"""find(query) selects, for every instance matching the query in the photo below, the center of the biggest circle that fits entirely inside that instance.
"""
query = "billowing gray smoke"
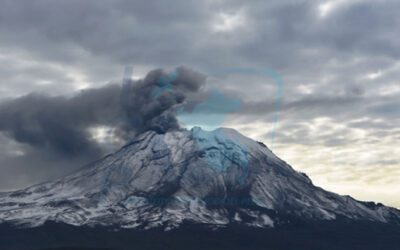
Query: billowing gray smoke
(58, 128)
(144, 110)
(60, 125)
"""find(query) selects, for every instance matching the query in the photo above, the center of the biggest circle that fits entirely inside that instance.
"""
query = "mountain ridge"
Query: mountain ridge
(217, 178)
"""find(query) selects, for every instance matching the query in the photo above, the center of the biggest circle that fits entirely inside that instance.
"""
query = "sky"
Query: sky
(62, 64)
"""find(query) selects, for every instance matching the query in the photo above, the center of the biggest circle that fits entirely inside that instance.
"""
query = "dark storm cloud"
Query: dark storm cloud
(124, 30)
(115, 29)
(363, 28)
(286, 36)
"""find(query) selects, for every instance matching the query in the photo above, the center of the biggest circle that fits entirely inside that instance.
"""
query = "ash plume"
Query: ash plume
(145, 111)
(59, 127)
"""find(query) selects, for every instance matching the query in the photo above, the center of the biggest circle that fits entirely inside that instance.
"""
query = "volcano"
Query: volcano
(191, 189)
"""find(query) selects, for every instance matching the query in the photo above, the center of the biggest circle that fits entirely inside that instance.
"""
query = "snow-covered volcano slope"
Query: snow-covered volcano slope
(216, 178)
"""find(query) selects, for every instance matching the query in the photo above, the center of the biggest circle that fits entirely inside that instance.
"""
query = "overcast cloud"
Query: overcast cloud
(339, 60)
